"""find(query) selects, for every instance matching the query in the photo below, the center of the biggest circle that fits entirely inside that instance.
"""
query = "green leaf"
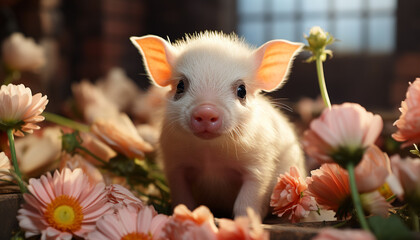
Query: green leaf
(389, 228)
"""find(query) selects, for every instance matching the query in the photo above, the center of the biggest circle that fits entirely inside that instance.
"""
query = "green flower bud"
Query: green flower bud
(317, 37)
(71, 141)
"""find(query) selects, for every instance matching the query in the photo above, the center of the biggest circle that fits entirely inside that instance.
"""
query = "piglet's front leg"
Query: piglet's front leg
(252, 194)
(180, 188)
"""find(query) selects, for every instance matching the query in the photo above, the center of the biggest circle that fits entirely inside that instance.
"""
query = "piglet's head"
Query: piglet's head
(215, 79)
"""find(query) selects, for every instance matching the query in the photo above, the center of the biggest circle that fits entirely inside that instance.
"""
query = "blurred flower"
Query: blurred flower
(120, 197)
(149, 133)
(242, 228)
(121, 135)
(92, 102)
(408, 172)
(39, 152)
(20, 53)
(341, 134)
(148, 106)
(309, 109)
(375, 204)
(62, 205)
(409, 122)
(118, 88)
(19, 109)
(318, 39)
(185, 224)
(127, 224)
(97, 147)
(289, 197)
(329, 185)
(4, 168)
(345, 234)
(374, 171)
(77, 161)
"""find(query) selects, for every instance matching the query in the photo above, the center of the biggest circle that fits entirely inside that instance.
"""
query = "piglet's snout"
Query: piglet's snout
(206, 121)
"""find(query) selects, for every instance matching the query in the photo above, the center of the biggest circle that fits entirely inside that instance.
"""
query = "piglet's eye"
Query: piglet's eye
(241, 91)
(180, 87)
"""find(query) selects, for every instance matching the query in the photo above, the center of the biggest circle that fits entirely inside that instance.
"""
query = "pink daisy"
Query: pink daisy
(242, 228)
(375, 204)
(374, 172)
(63, 205)
(122, 136)
(185, 224)
(289, 197)
(341, 132)
(329, 185)
(127, 224)
(19, 109)
(344, 234)
(409, 122)
(77, 161)
(408, 172)
(120, 196)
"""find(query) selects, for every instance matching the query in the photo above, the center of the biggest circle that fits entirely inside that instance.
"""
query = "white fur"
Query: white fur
(239, 168)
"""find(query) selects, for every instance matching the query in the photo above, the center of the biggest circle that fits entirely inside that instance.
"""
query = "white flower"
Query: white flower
(20, 53)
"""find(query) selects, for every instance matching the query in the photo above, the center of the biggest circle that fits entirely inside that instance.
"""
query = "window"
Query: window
(360, 25)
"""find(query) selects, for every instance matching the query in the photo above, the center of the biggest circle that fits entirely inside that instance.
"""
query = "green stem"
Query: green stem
(91, 154)
(414, 220)
(340, 224)
(51, 117)
(356, 198)
(321, 81)
(11, 76)
(22, 186)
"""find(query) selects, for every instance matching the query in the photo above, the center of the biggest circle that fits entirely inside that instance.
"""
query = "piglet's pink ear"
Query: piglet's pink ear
(274, 59)
(157, 56)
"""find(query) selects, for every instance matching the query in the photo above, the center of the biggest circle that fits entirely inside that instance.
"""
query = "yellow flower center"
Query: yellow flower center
(137, 236)
(385, 191)
(64, 213)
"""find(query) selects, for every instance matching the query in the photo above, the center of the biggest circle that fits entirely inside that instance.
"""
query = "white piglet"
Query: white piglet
(223, 144)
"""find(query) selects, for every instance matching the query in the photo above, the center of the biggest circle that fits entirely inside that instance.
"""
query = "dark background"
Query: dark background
(86, 38)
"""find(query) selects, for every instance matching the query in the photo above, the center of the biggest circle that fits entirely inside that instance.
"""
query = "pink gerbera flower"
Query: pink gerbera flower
(120, 196)
(409, 122)
(289, 197)
(185, 224)
(19, 109)
(62, 205)
(127, 224)
(374, 172)
(344, 234)
(242, 228)
(121, 135)
(330, 186)
(408, 172)
(77, 161)
(341, 134)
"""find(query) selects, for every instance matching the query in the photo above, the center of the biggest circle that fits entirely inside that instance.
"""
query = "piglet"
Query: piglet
(223, 144)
